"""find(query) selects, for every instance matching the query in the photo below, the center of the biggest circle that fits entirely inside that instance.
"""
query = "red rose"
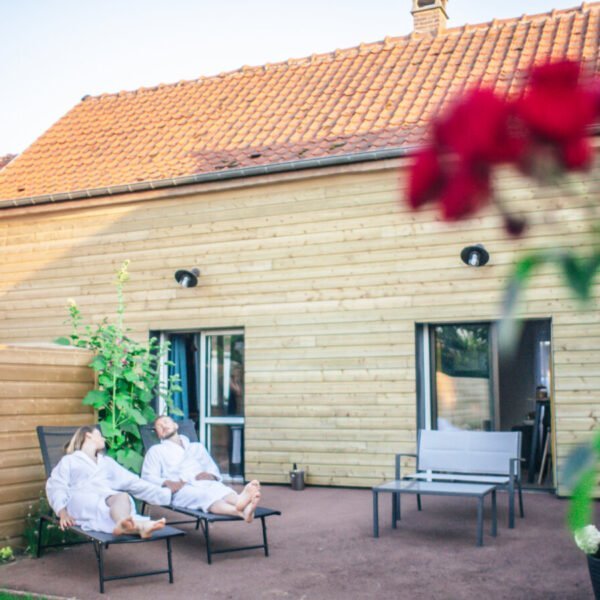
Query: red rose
(465, 193)
(556, 107)
(481, 128)
(425, 178)
(577, 154)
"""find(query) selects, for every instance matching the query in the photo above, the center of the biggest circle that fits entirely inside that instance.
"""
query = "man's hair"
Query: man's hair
(158, 419)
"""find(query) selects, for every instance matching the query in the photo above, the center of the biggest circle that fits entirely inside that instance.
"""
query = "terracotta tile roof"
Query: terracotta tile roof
(373, 96)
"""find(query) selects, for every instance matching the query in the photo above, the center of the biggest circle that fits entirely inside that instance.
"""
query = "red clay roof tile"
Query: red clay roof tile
(374, 96)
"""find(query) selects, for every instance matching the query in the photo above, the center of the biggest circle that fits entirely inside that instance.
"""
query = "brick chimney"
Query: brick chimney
(429, 16)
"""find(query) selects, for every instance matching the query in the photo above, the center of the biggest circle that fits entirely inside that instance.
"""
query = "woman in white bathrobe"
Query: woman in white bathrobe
(89, 489)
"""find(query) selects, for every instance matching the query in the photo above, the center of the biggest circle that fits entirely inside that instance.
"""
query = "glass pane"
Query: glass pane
(462, 377)
(227, 448)
(224, 375)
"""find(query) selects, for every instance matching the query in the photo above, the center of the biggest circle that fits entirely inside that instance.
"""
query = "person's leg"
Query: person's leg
(225, 507)
(120, 512)
(250, 509)
(245, 497)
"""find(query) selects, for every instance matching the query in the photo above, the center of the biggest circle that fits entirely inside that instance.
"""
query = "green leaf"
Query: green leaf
(576, 275)
(131, 428)
(108, 431)
(98, 363)
(130, 375)
(581, 460)
(96, 398)
(173, 411)
(137, 416)
(580, 508)
(130, 459)
(63, 341)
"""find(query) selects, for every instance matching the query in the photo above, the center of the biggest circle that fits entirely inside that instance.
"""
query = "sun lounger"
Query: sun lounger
(52, 441)
(201, 518)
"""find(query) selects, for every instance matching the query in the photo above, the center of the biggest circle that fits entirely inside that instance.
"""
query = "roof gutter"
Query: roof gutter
(284, 167)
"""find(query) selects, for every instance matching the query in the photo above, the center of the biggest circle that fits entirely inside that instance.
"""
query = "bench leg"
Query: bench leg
(375, 515)
(169, 560)
(494, 515)
(521, 511)
(99, 549)
(206, 533)
(264, 533)
(511, 504)
(480, 521)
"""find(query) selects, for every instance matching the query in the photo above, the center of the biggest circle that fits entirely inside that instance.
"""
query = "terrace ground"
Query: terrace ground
(322, 547)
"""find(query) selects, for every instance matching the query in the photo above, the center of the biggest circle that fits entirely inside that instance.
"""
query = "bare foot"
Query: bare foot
(125, 526)
(145, 528)
(250, 509)
(246, 496)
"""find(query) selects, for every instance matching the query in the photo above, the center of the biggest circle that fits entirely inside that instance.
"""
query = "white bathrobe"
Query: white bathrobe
(169, 461)
(82, 485)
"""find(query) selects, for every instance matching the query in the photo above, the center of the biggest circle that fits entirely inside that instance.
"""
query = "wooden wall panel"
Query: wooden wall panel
(38, 386)
(328, 277)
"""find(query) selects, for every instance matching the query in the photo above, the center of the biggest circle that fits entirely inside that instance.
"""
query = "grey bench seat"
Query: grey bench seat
(483, 457)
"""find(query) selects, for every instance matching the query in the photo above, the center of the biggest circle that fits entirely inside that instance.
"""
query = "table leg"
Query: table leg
(375, 515)
(394, 509)
(494, 519)
(511, 503)
(480, 521)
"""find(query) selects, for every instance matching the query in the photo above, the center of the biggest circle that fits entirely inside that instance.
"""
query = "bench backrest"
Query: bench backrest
(475, 452)
(52, 443)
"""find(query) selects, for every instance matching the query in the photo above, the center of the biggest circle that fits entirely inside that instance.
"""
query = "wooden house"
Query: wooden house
(329, 322)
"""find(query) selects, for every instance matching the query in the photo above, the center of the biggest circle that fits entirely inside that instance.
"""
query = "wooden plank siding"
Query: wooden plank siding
(38, 386)
(328, 276)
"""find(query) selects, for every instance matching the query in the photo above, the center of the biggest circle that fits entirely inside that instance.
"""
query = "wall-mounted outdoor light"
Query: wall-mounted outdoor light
(475, 256)
(187, 278)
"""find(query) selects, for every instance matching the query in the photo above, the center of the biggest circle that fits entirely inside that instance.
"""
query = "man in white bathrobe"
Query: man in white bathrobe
(191, 474)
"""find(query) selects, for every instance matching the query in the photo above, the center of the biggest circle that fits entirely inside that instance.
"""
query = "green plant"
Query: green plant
(128, 376)
(6, 554)
(51, 533)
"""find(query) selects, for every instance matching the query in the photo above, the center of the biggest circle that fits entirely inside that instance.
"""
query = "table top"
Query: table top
(432, 488)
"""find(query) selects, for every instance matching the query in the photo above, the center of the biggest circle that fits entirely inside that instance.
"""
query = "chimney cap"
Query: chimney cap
(429, 16)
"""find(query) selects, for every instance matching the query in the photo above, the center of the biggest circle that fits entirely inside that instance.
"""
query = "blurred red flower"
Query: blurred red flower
(547, 125)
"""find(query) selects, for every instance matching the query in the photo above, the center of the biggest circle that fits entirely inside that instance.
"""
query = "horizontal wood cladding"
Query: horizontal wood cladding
(38, 386)
(328, 277)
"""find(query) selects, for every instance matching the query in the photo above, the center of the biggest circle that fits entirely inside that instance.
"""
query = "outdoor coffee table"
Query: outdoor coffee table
(435, 488)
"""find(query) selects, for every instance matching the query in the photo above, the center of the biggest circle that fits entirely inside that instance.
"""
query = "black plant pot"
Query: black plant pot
(594, 567)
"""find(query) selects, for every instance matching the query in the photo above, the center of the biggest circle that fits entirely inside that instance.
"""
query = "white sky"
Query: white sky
(53, 52)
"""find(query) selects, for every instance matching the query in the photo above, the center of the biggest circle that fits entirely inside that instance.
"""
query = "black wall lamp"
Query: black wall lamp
(187, 278)
(475, 256)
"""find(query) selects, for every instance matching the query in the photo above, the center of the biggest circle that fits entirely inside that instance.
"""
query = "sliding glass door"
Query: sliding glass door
(222, 399)
(210, 366)
(463, 376)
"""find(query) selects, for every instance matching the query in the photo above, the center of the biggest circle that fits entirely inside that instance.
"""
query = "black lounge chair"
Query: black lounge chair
(52, 441)
(200, 517)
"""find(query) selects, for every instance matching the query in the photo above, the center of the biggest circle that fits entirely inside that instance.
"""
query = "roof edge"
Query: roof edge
(212, 176)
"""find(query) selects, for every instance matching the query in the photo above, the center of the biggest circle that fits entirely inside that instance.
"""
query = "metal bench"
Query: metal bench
(200, 517)
(52, 441)
(480, 457)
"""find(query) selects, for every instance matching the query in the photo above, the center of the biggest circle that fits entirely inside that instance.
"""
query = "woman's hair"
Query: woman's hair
(76, 442)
